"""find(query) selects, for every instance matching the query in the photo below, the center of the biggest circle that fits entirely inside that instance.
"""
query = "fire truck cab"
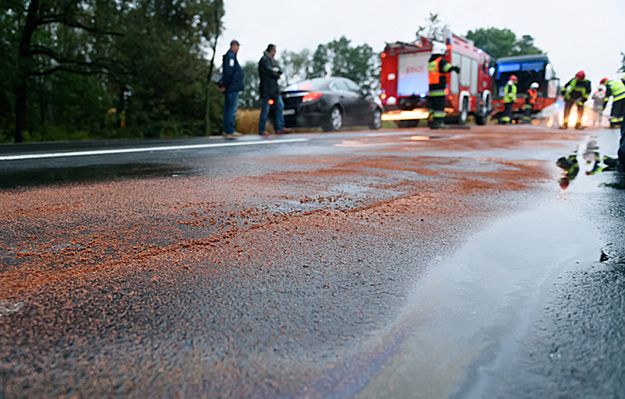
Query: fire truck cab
(404, 81)
(528, 69)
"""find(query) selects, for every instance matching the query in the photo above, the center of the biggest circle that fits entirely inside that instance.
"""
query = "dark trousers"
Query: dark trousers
(527, 113)
(231, 102)
(567, 111)
(618, 112)
(278, 108)
(437, 110)
(507, 113)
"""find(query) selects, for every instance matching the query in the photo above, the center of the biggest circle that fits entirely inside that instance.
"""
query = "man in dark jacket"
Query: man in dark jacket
(270, 72)
(231, 85)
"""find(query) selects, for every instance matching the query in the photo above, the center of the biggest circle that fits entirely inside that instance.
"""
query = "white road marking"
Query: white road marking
(145, 149)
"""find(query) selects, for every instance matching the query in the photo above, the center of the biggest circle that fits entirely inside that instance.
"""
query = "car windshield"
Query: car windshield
(314, 84)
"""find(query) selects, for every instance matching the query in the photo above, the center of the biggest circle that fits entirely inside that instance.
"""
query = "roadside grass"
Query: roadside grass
(247, 121)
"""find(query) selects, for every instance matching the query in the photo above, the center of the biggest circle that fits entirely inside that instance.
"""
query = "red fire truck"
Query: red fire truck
(404, 81)
(528, 69)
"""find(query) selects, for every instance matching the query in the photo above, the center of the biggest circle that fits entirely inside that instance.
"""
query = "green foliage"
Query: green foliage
(341, 58)
(318, 64)
(95, 64)
(503, 42)
(294, 65)
(250, 98)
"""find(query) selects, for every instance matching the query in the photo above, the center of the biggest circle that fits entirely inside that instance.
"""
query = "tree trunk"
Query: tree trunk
(209, 82)
(24, 62)
(211, 67)
(20, 107)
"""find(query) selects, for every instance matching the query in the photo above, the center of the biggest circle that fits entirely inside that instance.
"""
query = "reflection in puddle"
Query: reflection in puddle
(570, 170)
(594, 164)
(55, 176)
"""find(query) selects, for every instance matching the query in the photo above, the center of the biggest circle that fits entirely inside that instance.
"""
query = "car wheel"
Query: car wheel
(481, 118)
(335, 120)
(376, 120)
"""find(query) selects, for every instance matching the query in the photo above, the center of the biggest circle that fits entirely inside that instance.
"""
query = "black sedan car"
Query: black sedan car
(330, 103)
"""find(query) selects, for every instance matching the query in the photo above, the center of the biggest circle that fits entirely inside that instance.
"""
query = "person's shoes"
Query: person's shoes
(284, 131)
(564, 127)
(579, 127)
(237, 134)
(229, 136)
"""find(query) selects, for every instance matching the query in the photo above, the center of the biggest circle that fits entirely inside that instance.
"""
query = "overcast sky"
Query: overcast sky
(577, 34)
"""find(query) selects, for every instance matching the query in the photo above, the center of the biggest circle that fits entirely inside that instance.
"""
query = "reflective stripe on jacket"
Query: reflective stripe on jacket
(438, 68)
(510, 93)
(616, 89)
(576, 89)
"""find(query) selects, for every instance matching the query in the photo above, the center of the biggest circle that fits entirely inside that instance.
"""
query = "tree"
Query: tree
(434, 29)
(502, 42)
(358, 63)
(212, 32)
(295, 65)
(75, 21)
(318, 64)
(250, 97)
(341, 58)
(141, 62)
(525, 46)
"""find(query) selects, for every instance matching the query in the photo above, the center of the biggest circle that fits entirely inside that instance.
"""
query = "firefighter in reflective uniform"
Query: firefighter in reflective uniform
(510, 91)
(616, 90)
(575, 92)
(530, 102)
(438, 70)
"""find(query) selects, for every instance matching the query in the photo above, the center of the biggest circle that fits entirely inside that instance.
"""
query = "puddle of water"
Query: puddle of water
(467, 313)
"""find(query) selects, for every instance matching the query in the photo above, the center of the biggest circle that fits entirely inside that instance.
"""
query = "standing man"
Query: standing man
(231, 85)
(616, 90)
(510, 92)
(575, 92)
(530, 102)
(270, 72)
(438, 70)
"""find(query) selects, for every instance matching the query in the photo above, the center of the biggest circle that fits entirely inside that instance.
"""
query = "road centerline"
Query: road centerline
(20, 157)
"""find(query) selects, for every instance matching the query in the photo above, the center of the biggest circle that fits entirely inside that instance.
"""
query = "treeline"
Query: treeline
(92, 68)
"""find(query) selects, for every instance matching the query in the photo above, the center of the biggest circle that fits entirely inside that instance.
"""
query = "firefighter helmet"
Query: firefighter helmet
(581, 75)
(603, 81)
(514, 78)
(438, 48)
(534, 85)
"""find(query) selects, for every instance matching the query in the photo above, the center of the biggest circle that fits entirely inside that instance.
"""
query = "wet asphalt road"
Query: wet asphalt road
(393, 264)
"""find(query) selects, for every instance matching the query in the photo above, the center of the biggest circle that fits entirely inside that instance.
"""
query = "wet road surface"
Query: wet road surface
(397, 264)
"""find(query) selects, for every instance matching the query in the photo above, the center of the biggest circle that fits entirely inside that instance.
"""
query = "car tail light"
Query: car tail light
(312, 96)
